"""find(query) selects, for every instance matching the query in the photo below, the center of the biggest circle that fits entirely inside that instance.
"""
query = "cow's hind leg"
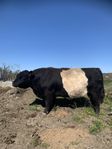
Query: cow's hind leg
(96, 106)
(49, 101)
(95, 102)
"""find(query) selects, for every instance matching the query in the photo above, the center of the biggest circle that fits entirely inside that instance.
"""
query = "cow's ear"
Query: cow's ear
(31, 75)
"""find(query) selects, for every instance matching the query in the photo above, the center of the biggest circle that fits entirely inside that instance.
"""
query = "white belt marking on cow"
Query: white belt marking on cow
(74, 82)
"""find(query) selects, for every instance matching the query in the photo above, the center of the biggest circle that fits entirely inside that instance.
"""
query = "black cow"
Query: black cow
(48, 83)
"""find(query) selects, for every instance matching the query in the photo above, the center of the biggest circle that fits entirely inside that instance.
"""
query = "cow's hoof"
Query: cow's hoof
(46, 112)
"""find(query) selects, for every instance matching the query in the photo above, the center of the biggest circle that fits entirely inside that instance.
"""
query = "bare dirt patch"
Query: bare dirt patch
(24, 126)
(65, 137)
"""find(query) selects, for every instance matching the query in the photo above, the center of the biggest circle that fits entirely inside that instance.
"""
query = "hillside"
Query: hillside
(70, 125)
(108, 83)
(107, 76)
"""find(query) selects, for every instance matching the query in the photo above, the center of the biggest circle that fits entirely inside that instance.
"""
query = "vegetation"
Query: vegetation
(96, 127)
(6, 73)
(37, 142)
(108, 82)
(77, 118)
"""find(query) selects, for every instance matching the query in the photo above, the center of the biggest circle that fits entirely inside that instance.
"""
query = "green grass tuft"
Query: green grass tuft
(35, 108)
(77, 118)
(44, 145)
(89, 111)
(96, 127)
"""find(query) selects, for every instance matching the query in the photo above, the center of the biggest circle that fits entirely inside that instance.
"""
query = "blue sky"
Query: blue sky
(59, 34)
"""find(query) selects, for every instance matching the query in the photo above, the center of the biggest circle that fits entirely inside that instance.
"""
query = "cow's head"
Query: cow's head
(22, 79)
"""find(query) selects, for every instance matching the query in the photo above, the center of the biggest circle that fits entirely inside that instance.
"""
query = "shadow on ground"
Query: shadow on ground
(65, 102)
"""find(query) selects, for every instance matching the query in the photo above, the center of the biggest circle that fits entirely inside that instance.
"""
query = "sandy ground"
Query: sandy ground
(6, 84)
(24, 126)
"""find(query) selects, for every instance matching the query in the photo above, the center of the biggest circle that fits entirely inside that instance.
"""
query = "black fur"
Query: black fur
(95, 87)
(47, 84)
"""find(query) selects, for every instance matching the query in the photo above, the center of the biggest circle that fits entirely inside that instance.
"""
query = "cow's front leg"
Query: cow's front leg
(49, 101)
